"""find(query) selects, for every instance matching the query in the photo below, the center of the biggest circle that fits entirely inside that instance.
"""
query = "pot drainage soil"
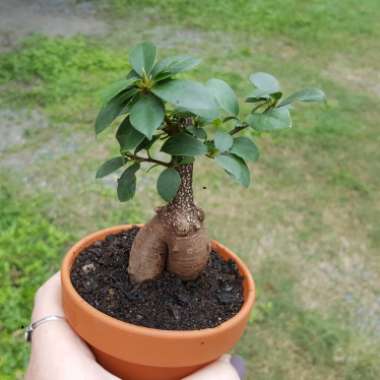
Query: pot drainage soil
(100, 276)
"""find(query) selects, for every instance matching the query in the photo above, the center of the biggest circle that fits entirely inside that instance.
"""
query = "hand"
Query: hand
(59, 354)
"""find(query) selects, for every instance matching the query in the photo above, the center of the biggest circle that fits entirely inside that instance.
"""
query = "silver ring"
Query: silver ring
(29, 329)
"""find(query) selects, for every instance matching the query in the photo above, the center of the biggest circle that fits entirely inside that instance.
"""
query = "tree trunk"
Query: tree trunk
(175, 237)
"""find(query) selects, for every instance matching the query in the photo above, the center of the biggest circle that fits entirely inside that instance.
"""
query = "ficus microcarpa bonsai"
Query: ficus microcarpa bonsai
(160, 112)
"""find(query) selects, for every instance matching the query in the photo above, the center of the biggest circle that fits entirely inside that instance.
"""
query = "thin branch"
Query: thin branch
(148, 159)
(258, 106)
(271, 105)
(238, 129)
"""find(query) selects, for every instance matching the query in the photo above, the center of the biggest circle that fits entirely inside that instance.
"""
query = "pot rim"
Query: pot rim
(73, 252)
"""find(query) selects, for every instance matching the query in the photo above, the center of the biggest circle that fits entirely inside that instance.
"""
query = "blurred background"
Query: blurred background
(308, 227)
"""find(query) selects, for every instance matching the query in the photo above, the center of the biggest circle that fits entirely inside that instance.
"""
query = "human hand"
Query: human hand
(58, 353)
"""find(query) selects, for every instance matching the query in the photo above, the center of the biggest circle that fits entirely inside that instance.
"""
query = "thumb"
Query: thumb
(226, 367)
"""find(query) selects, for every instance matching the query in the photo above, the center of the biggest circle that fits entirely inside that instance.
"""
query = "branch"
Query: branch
(238, 129)
(148, 159)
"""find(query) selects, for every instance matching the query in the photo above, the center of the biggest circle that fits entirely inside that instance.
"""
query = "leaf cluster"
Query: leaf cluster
(160, 109)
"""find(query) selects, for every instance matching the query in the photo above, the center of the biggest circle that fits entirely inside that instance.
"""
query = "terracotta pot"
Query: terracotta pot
(139, 353)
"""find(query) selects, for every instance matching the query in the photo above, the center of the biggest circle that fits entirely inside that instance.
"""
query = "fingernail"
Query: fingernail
(238, 363)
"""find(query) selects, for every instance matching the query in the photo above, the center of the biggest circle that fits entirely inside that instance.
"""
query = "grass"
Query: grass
(302, 342)
(318, 24)
(48, 71)
(30, 249)
(308, 227)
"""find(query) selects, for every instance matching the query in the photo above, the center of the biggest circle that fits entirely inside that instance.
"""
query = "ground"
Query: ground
(309, 225)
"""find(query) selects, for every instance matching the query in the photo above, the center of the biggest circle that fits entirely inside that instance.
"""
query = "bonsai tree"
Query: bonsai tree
(164, 113)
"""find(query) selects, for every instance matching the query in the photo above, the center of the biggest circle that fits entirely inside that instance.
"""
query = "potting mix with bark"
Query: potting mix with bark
(100, 276)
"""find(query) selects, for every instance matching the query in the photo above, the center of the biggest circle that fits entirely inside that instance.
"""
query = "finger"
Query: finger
(48, 299)
(225, 368)
(55, 340)
(55, 281)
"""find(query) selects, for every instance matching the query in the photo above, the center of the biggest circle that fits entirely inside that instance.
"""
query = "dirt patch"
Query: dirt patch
(100, 276)
(364, 79)
(345, 276)
(23, 143)
(190, 41)
(14, 125)
(19, 18)
(348, 281)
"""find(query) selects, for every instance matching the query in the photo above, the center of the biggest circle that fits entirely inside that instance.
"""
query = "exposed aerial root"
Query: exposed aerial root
(174, 238)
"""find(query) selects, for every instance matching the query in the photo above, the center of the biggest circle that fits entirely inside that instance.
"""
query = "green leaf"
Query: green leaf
(142, 57)
(110, 166)
(265, 82)
(147, 114)
(229, 118)
(224, 95)
(262, 96)
(257, 96)
(200, 133)
(174, 65)
(133, 75)
(168, 184)
(146, 144)
(116, 87)
(245, 148)
(223, 141)
(111, 110)
(127, 136)
(126, 184)
(274, 119)
(186, 160)
(183, 144)
(189, 95)
(236, 167)
(306, 95)
(134, 92)
(163, 76)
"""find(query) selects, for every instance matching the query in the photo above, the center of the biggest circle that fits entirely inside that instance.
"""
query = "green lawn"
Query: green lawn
(309, 225)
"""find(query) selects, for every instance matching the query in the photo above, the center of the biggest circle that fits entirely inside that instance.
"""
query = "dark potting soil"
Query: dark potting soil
(100, 276)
